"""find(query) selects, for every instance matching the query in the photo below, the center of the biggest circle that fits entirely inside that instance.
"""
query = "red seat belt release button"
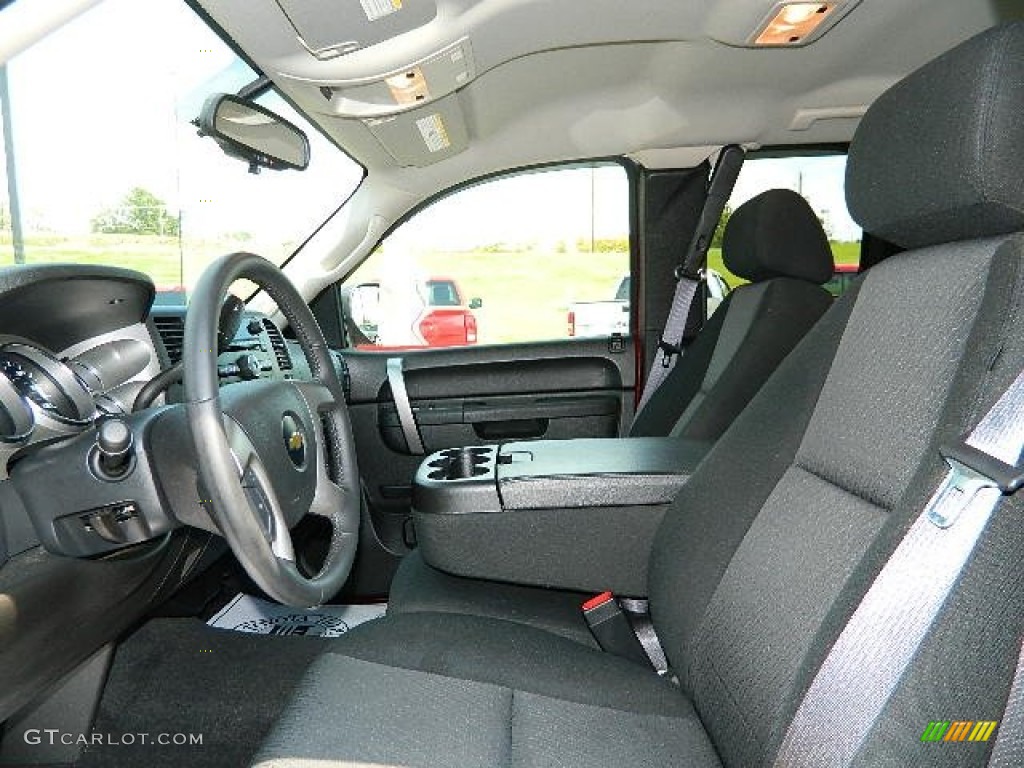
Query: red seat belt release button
(598, 600)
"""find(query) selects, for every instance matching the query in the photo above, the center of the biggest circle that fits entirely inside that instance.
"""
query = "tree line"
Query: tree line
(140, 212)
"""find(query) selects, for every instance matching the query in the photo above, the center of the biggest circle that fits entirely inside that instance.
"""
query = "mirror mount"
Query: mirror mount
(253, 134)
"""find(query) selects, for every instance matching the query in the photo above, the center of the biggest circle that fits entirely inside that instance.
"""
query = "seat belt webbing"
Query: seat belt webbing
(875, 648)
(1008, 751)
(688, 279)
(675, 326)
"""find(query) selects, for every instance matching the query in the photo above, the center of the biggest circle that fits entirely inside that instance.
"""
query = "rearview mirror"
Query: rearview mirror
(253, 133)
(476, 303)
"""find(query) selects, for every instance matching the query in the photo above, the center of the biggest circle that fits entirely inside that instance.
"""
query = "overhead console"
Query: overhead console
(412, 110)
(408, 87)
(569, 514)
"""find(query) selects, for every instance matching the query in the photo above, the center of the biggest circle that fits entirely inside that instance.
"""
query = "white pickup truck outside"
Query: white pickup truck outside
(603, 318)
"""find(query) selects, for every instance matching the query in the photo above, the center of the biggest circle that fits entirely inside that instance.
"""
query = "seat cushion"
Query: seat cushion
(417, 587)
(447, 690)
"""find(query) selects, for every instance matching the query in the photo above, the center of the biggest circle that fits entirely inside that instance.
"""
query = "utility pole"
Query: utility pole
(12, 175)
(593, 206)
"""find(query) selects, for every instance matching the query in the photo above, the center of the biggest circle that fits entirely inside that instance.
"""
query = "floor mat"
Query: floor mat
(246, 613)
(179, 676)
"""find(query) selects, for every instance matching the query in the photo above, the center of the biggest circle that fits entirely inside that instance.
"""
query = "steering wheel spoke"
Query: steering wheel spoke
(318, 396)
(242, 449)
(332, 494)
(259, 491)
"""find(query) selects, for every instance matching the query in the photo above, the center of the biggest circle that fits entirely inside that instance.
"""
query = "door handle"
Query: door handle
(406, 418)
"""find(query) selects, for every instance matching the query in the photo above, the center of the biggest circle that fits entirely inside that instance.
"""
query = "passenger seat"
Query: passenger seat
(775, 241)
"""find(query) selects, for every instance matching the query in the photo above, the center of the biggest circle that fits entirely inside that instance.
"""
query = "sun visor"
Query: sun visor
(408, 87)
(423, 136)
(331, 28)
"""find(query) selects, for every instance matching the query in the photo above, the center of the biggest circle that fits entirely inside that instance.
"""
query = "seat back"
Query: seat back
(770, 546)
(776, 241)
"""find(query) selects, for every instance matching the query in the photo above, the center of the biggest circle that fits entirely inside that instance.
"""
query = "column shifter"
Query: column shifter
(114, 444)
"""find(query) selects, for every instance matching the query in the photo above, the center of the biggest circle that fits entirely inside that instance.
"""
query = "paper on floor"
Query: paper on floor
(251, 614)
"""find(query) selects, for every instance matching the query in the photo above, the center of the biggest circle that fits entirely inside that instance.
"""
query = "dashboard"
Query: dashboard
(75, 346)
(85, 552)
(78, 344)
(58, 379)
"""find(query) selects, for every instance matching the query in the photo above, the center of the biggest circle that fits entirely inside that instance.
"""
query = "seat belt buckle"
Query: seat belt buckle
(971, 470)
(611, 628)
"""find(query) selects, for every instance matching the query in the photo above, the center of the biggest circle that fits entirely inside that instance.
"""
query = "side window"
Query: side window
(821, 181)
(536, 256)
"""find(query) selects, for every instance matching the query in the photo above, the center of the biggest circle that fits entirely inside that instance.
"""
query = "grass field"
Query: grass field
(526, 294)
(166, 259)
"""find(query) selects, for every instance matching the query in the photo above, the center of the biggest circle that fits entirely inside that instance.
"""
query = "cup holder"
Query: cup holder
(461, 463)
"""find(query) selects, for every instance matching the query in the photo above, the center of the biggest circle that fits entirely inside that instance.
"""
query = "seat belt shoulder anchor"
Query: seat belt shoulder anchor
(668, 352)
(696, 274)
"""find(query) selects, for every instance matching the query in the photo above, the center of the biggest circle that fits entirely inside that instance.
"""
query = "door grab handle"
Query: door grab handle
(396, 380)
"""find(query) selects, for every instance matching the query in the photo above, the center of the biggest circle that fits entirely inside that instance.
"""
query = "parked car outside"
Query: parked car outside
(603, 318)
(422, 313)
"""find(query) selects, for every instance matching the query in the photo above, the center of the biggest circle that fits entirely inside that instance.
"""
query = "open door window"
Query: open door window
(536, 256)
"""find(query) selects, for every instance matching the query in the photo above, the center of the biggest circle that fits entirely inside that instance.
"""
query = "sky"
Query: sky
(103, 105)
(556, 205)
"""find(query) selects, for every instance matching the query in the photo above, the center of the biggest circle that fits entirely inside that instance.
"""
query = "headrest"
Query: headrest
(938, 157)
(776, 234)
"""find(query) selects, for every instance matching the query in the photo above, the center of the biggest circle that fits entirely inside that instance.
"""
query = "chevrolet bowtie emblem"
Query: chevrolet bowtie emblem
(294, 438)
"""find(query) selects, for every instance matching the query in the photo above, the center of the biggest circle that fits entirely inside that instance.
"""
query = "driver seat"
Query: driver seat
(768, 549)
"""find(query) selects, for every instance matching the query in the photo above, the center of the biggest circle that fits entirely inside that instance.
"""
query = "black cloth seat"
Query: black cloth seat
(465, 691)
(751, 582)
(775, 241)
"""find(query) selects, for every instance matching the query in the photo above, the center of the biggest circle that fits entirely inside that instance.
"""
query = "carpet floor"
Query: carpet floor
(179, 676)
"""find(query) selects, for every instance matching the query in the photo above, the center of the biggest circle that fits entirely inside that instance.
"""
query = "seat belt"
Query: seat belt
(403, 406)
(622, 626)
(688, 272)
(1008, 751)
(863, 668)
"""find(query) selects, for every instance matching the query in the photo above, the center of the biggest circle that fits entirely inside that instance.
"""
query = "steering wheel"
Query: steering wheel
(271, 452)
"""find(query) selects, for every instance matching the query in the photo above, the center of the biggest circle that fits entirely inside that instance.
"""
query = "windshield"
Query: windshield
(101, 163)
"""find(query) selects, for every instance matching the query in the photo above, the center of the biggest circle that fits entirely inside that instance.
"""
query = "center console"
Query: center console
(567, 514)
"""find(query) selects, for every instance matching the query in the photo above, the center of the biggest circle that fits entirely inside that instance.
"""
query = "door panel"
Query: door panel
(443, 423)
(477, 396)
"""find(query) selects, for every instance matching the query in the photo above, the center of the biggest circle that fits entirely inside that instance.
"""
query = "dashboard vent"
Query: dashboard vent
(172, 333)
(284, 360)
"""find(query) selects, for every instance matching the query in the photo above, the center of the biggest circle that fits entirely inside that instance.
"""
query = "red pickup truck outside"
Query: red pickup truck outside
(445, 320)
